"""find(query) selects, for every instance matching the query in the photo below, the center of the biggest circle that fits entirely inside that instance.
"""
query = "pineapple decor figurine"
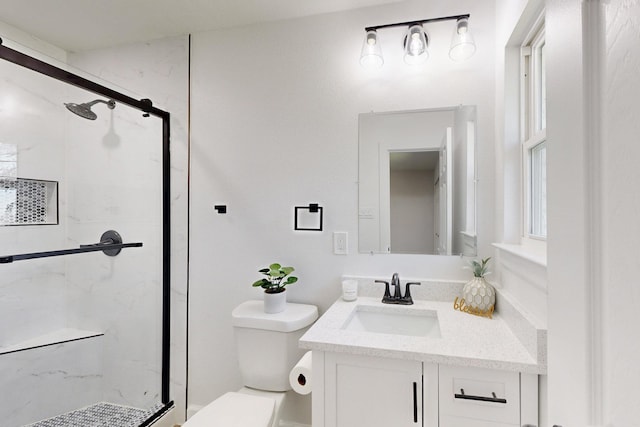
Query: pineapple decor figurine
(478, 295)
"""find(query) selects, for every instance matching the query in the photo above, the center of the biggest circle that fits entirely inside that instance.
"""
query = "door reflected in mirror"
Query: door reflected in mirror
(417, 182)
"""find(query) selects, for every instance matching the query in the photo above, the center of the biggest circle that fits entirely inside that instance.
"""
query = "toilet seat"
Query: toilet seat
(235, 410)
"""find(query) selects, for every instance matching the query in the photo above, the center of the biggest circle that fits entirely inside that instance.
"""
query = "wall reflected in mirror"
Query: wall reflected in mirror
(417, 182)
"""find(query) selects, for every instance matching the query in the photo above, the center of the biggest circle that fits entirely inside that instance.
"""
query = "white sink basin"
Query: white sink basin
(416, 323)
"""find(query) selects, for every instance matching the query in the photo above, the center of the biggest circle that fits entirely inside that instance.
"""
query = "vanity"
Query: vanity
(424, 364)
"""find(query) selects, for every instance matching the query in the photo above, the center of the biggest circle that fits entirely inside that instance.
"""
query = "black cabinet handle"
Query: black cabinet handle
(493, 399)
(415, 402)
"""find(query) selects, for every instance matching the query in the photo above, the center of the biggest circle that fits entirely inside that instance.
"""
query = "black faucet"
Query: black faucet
(397, 297)
(395, 282)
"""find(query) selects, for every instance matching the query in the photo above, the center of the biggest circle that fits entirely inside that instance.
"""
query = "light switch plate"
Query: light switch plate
(340, 242)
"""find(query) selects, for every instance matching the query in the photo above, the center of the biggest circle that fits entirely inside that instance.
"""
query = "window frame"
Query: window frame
(532, 123)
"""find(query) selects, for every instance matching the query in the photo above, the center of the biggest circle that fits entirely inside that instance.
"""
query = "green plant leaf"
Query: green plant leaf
(261, 282)
(290, 280)
(276, 273)
(480, 268)
(287, 270)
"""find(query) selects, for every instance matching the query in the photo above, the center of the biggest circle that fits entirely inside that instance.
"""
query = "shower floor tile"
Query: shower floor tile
(99, 415)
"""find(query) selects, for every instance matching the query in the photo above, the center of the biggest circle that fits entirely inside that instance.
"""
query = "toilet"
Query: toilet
(267, 347)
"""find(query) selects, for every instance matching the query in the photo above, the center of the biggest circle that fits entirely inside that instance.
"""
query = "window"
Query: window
(533, 133)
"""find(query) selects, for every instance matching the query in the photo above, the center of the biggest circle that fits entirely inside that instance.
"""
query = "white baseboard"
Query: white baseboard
(292, 424)
(192, 409)
(167, 420)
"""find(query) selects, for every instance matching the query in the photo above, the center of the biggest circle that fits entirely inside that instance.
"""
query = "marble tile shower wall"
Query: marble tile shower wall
(109, 172)
(32, 124)
(116, 183)
(47, 381)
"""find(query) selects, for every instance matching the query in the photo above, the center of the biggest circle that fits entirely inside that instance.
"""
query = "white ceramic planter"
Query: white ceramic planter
(480, 294)
(275, 303)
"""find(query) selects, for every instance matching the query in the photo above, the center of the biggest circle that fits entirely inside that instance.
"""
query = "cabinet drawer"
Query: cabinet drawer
(479, 394)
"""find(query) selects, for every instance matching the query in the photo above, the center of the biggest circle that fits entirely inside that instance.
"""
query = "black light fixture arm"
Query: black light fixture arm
(420, 21)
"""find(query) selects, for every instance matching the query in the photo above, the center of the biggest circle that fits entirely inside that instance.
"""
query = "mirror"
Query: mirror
(417, 182)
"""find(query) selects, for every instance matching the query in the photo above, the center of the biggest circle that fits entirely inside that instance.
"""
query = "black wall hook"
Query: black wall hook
(221, 209)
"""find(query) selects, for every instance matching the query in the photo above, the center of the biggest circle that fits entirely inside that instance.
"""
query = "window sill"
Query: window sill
(538, 257)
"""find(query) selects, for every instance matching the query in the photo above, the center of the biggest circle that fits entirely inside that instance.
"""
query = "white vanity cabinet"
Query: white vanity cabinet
(362, 391)
(475, 373)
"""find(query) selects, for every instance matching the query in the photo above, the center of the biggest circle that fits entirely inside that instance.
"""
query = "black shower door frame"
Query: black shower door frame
(147, 108)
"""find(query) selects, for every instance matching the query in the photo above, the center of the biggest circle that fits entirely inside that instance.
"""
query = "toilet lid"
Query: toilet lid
(234, 410)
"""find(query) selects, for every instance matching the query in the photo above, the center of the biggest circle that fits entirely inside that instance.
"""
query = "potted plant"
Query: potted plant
(478, 293)
(274, 282)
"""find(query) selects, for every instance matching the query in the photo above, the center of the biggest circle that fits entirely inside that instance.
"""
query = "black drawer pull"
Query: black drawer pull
(415, 402)
(493, 399)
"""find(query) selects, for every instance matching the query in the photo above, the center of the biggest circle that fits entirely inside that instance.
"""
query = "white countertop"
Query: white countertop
(466, 340)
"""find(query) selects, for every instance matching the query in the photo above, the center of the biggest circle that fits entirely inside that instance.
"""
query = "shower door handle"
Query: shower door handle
(110, 249)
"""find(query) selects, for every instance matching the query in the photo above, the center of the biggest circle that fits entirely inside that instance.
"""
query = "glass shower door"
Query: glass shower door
(83, 334)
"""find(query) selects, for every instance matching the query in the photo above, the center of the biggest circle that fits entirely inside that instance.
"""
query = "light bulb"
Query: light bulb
(416, 43)
(462, 44)
(371, 55)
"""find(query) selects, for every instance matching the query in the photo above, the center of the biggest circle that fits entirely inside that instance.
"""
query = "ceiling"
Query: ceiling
(78, 25)
(413, 160)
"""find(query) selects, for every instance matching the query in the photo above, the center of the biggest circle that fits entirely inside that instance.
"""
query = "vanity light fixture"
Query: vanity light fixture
(416, 42)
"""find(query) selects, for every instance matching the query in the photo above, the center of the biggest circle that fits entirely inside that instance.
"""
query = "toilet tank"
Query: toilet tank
(267, 344)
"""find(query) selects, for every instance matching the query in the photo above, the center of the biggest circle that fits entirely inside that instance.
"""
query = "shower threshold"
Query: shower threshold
(101, 414)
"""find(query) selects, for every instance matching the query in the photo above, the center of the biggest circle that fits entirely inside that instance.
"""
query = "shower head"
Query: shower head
(84, 110)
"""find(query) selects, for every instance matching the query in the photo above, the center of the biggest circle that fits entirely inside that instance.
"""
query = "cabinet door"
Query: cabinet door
(372, 392)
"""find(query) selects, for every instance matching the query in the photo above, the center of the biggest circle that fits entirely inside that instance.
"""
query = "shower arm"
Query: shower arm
(110, 243)
(110, 103)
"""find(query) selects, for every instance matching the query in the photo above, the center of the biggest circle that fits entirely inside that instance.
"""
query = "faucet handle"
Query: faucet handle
(387, 294)
(407, 293)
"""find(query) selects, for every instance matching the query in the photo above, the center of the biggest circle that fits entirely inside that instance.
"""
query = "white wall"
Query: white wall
(11, 35)
(516, 275)
(274, 124)
(620, 228)
(524, 281)
(593, 229)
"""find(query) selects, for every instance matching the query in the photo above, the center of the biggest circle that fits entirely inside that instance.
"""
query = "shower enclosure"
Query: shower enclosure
(84, 249)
